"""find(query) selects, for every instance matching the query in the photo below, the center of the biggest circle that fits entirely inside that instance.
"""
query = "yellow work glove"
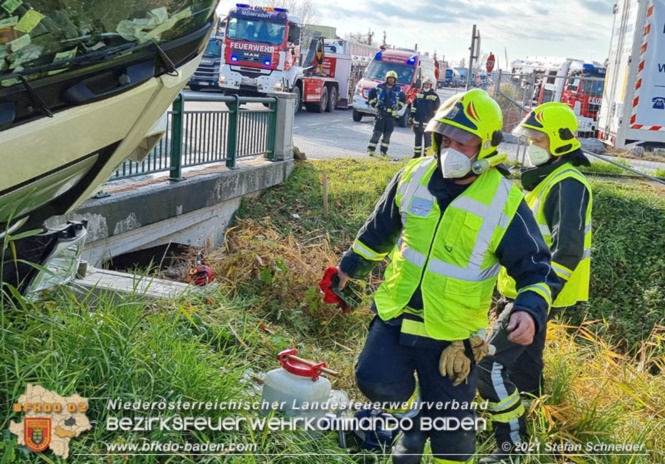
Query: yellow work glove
(454, 361)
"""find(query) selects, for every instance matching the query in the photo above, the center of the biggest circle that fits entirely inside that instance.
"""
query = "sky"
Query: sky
(519, 28)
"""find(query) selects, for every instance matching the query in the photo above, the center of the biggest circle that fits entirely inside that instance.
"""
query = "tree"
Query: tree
(362, 38)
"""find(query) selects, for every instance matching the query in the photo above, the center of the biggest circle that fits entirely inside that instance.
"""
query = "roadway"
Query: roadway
(336, 135)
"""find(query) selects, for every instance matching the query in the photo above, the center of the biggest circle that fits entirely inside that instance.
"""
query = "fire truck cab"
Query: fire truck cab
(580, 86)
(261, 52)
(411, 68)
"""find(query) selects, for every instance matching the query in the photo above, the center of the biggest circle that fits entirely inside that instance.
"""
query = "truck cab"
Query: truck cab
(261, 53)
(411, 68)
(82, 89)
(579, 85)
(206, 75)
(452, 78)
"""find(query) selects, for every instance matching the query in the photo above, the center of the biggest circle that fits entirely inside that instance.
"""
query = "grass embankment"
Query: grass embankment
(210, 348)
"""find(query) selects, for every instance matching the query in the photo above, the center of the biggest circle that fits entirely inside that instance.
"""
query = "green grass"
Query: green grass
(197, 349)
(210, 347)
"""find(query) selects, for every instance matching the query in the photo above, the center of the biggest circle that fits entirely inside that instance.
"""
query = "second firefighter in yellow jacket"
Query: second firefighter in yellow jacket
(560, 198)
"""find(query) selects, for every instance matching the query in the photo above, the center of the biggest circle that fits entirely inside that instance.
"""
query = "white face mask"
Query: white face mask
(455, 164)
(537, 155)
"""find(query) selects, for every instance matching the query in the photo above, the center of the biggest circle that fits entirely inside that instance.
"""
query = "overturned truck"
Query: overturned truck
(83, 86)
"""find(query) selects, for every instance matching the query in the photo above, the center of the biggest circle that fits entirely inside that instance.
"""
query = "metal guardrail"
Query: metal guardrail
(200, 137)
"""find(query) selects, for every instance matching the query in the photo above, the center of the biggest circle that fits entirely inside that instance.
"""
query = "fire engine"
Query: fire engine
(262, 54)
(580, 86)
(411, 68)
(336, 66)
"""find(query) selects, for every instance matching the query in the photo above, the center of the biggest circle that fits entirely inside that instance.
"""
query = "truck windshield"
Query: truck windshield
(377, 70)
(39, 38)
(213, 48)
(253, 30)
(593, 87)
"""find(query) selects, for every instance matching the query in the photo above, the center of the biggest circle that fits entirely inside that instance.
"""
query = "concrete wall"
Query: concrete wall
(195, 211)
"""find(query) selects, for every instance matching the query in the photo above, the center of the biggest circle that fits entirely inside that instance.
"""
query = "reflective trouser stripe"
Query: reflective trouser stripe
(506, 403)
(372, 145)
(366, 252)
(545, 230)
(502, 394)
(408, 404)
(508, 417)
(562, 271)
(587, 253)
(448, 461)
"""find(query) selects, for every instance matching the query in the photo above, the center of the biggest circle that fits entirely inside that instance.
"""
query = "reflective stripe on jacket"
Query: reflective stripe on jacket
(449, 254)
(576, 287)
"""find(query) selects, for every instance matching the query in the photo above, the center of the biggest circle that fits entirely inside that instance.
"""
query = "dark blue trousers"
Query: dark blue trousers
(385, 373)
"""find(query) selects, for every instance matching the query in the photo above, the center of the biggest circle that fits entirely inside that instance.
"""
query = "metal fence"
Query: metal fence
(517, 94)
(197, 137)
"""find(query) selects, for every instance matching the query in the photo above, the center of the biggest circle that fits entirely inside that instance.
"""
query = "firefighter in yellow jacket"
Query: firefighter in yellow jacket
(560, 198)
(449, 224)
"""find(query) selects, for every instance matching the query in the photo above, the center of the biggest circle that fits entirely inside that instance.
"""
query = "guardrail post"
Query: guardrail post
(283, 127)
(177, 115)
(232, 141)
(272, 130)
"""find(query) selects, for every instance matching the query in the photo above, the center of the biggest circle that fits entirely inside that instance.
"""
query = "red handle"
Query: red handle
(298, 366)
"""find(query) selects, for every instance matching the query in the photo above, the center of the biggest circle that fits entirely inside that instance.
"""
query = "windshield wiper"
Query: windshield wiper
(36, 100)
(166, 61)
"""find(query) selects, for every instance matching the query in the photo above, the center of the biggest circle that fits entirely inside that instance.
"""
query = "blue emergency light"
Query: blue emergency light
(377, 57)
(267, 62)
(234, 58)
(282, 10)
(412, 60)
(243, 5)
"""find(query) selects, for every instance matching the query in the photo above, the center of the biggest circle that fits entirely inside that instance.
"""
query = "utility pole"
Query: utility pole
(475, 52)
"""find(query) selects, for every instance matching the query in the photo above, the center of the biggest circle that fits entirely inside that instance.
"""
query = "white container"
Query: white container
(295, 389)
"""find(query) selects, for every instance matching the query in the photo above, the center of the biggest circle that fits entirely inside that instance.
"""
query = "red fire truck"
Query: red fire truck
(411, 68)
(262, 51)
(580, 86)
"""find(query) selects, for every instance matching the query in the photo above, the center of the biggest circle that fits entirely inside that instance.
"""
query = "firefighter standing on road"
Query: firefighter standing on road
(449, 230)
(560, 198)
(387, 98)
(424, 106)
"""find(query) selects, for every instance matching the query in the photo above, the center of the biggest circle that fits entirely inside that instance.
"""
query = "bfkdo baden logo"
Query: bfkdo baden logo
(37, 433)
(50, 421)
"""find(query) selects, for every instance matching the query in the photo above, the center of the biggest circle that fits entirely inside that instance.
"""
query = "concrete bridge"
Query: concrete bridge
(194, 206)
